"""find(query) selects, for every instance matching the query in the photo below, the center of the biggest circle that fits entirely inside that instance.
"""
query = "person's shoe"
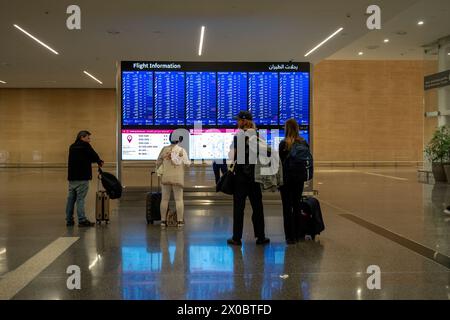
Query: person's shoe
(86, 223)
(70, 223)
(290, 241)
(262, 241)
(234, 242)
(447, 210)
(163, 224)
(180, 224)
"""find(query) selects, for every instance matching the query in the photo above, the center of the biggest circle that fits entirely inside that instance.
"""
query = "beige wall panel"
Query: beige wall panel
(41, 123)
(368, 111)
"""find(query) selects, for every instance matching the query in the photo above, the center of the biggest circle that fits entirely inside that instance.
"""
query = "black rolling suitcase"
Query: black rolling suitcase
(310, 219)
(153, 203)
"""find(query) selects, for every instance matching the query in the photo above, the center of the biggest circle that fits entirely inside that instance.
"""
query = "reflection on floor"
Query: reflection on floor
(129, 260)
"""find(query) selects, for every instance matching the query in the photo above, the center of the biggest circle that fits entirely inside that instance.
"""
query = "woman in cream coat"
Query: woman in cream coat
(170, 165)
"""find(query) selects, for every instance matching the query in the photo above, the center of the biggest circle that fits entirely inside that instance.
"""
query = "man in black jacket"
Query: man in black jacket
(81, 157)
(244, 183)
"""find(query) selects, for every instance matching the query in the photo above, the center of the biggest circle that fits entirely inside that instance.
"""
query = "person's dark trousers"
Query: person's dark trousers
(291, 197)
(217, 167)
(252, 190)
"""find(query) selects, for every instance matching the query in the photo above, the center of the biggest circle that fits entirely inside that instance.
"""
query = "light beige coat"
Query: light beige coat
(172, 174)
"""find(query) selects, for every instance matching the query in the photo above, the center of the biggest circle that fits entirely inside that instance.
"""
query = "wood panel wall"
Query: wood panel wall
(38, 125)
(368, 111)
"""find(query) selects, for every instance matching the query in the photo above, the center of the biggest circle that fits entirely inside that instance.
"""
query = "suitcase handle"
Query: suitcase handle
(151, 181)
(99, 177)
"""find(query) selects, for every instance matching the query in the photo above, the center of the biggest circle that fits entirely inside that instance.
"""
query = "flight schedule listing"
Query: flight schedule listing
(170, 98)
(231, 96)
(263, 97)
(294, 97)
(214, 98)
(201, 98)
(137, 98)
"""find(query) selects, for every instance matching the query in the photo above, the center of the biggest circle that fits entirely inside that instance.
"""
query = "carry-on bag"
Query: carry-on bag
(310, 218)
(153, 203)
(226, 182)
(111, 184)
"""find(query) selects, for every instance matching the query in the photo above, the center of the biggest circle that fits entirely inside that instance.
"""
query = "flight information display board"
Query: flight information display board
(274, 136)
(294, 97)
(263, 97)
(231, 96)
(211, 144)
(180, 94)
(137, 98)
(170, 98)
(201, 98)
(144, 144)
(205, 144)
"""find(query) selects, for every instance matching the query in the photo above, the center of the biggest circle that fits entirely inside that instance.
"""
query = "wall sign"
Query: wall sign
(437, 80)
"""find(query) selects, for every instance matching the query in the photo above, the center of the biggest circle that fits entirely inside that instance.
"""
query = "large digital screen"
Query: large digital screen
(179, 94)
(169, 98)
(294, 97)
(274, 136)
(144, 144)
(204, 144)
(137, 98)
(210, 144)
(263, 97)
(201, 98)
(231, 96)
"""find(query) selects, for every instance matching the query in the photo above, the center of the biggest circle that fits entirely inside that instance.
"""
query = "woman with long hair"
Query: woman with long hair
(292, 189)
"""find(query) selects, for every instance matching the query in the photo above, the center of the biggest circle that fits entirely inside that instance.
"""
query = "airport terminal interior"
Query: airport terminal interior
(367, 82)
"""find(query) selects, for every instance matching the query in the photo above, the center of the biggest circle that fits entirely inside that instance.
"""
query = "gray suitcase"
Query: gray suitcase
(101, 205)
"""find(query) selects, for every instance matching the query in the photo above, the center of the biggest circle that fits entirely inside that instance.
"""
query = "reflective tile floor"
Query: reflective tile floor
(382, 217)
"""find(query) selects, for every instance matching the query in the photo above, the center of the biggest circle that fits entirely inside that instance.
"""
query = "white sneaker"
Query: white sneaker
(163, 224)
(447, 211)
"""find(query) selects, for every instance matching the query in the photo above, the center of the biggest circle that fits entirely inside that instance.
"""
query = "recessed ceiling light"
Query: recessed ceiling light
(448, 53)
(323, 42)
(360, 53)
(420, 23)
(200, 46)
(386, 40)
(90, 75)
(2, 81)
(35, 39)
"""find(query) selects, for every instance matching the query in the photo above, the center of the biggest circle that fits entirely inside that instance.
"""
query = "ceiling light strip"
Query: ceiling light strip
(324, 41)
(90, 75)
(36, 39)
(200, 47)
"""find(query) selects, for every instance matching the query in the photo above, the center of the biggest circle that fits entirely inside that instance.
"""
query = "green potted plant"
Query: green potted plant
(437, 152)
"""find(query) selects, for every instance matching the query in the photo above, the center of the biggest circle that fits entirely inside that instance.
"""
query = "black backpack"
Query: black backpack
(299, 162)
(111, 184)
